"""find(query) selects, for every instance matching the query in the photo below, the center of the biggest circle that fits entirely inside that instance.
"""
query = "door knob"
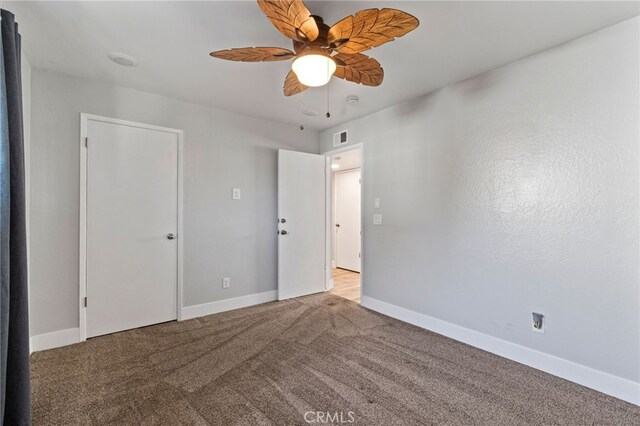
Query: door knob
(171, 236)
(283, 232)
(337, 225)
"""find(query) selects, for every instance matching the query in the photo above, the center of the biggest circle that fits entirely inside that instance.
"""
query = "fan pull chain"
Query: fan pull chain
(328, 113)
(301, 109)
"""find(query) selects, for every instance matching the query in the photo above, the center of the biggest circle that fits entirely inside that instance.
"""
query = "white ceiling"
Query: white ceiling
(172, 41)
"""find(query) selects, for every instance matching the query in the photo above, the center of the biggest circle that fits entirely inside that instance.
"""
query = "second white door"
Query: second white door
(347, 220)
(132, 184)
(301, 223)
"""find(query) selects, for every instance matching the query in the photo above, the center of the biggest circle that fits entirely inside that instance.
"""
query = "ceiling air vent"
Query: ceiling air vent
(340, 138)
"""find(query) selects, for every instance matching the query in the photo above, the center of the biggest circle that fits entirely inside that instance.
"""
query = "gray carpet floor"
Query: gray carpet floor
(276, 362)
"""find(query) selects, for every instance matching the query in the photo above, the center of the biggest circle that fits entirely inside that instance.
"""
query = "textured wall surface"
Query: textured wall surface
(512, 192)
(222, 151)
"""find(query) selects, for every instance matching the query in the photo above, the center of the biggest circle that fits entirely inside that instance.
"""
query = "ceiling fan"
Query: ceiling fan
(320, 51)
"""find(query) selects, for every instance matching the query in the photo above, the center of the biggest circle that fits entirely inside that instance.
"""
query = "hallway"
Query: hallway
(346, 284)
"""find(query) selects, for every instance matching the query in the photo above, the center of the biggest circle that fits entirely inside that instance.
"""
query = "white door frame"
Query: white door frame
(329, 232)
(82, 290)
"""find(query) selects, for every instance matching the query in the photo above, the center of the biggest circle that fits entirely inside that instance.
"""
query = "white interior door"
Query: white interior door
(302, 215)
(347, 226)
(132, 176)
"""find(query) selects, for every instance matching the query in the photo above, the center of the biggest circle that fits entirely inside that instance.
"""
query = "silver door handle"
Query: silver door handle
(171, 236)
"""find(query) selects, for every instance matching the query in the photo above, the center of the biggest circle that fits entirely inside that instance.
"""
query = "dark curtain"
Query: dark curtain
(14, 328)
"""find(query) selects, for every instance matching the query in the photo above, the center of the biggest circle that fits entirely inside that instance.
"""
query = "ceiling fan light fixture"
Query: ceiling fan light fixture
(314, 70)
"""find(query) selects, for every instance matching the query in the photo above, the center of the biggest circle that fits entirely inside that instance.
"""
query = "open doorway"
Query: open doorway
(346, 229)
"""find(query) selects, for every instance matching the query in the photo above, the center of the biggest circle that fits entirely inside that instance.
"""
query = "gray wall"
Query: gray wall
(221, 151)
(512, 192)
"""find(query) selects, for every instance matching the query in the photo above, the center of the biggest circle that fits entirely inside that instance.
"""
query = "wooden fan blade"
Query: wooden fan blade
(360, 69)
(254, 54)
(292, 86)
(370, 28)
(291, 18)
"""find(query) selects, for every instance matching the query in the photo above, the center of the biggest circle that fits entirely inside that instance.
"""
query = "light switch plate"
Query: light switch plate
(376, 203)
(377, 219)
(236, 193)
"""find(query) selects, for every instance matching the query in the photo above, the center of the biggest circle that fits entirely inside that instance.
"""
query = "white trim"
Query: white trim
(329, 231)
(328, 225)
(84, 118)
(218, 306)
(180, 219)
(82, 265)
(330, 284)
(54, 339)
(70, 336)
(609, 384)
(349, 147)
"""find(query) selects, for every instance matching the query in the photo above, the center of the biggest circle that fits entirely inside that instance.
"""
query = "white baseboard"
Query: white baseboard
(72, 335)
(329, 285)
(54, 339)
(195, 311)
(609, 384)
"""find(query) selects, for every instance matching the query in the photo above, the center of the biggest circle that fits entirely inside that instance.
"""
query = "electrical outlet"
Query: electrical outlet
(236, 193)
(377, 219)
(537, 324)
(226, 282)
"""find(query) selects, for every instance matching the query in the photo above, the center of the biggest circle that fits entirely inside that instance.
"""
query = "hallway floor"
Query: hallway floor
(346, 284)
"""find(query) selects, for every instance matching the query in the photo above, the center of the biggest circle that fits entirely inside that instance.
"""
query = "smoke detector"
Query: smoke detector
(353, 99)
(122, 59)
